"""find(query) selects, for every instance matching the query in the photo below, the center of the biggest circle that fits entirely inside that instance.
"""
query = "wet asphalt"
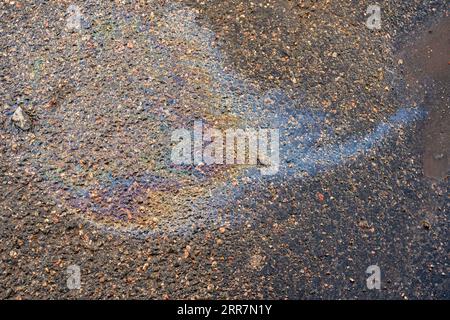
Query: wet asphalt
(89, 182)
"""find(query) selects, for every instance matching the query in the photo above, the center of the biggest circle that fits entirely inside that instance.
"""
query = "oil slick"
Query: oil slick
(129, 184)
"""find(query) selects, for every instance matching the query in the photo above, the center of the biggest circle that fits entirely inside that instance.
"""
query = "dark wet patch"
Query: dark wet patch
(427, 69)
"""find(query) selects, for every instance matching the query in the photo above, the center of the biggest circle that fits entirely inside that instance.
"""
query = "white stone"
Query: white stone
(21, 119)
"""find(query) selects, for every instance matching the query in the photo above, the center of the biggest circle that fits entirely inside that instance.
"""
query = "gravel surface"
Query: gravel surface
(86, 117)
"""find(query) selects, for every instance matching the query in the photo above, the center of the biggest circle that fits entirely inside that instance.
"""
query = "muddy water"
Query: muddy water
(427, 66)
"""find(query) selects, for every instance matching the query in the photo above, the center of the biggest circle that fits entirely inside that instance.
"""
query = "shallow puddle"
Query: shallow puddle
(427, 66)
